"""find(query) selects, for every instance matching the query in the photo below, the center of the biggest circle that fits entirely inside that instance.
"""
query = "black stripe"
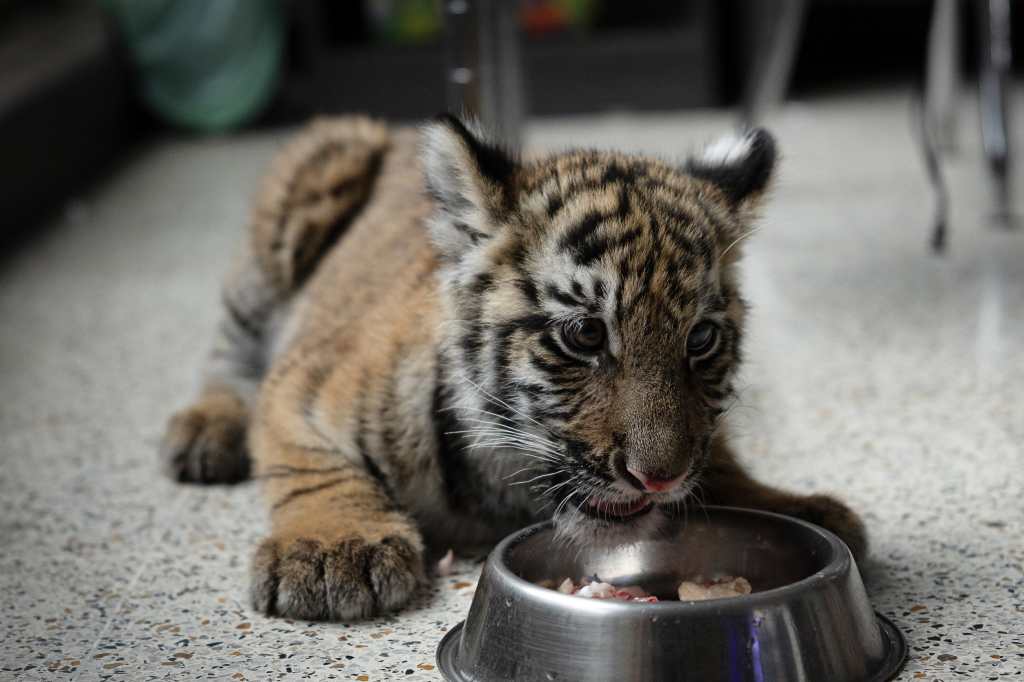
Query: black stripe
(712, 369)
(529, 290)
(614, 173)
(451, 458)
(675, 293)
(307, 253)
(302, 492)
(474, 235)
(314, 381)
(715, 394)
(543, 365)
(502, 343)
(360, 414)
(534, 391)
(242, 322)
(584, 228)
(562, 297)
(555, 204)
(339, 147)
(645, 275)
(481, 284)
(533, 323)
(346, 185)
(625, 204)
(620, 288)
(453, 203)
(632, 176)
(502, 352)
(386, 417)
(492, 162)
(688, 247)
(282, 470)
(471, 343)
(473, 340)
(715, 367)
(564, 413)
(593, 248)
(377, 474)
(549, 343)
(717, 224)
(684, 249)
(500, 409)
(362, 431)
(515, 256)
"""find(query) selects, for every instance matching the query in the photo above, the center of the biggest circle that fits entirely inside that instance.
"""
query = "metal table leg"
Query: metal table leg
(994, 24)
(774, 56)
(484, 73)
(937, 116)
(942, 81)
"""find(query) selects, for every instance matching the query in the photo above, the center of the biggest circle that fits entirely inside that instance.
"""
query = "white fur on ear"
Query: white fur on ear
(448, 165)
(466, 177)
(728, 149)
(741, 166)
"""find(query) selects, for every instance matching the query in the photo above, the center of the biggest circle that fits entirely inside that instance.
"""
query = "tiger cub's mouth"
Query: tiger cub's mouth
(617, 510)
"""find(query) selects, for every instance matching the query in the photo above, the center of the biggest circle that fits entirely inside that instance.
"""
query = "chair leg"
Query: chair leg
(942, 86)
(933, 158)
(937, 115)
(993, 93)
(773, 59)
(484, 71)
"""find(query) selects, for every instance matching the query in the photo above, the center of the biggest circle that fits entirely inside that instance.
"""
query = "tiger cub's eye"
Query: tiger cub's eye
(701, 339)
(584, 336)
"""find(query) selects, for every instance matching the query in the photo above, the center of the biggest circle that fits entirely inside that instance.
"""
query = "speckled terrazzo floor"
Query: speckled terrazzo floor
(876, 371)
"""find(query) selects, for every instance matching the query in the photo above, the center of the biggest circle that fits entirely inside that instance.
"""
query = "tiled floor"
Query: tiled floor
(875, 370)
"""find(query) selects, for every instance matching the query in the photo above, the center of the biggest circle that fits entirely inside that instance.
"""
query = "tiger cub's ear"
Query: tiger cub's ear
(470, 179)
(741, 166)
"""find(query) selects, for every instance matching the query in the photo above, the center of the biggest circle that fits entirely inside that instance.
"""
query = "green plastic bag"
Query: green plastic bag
(208, 65)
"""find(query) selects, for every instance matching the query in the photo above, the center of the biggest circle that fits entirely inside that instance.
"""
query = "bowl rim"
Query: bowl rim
(837, 566)
(896, 652)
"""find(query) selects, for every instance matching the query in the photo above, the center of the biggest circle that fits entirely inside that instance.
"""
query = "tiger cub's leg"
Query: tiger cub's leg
(315, 185)
(339, 548)
(726, 483)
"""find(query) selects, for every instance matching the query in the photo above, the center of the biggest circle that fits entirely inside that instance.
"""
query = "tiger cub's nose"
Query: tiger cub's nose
(655, 482)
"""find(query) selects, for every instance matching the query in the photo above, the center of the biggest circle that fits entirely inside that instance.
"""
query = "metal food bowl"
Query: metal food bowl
(808, 619)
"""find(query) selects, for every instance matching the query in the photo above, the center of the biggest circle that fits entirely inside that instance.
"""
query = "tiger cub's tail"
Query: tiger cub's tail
(315, 185)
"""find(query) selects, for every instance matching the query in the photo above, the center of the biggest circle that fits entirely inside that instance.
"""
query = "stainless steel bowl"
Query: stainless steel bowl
(808, 619)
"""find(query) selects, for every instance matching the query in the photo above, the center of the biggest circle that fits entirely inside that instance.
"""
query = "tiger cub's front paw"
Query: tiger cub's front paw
(347, 579)
(830, 513)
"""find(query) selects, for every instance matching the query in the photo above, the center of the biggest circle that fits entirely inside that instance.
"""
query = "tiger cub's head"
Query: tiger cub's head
(595, 315)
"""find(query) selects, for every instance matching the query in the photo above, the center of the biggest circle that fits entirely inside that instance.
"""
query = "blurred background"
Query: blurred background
(89, 81)
(883, 353)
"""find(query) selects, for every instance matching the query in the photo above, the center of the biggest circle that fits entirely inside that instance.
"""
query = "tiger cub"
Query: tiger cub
(429, 342)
